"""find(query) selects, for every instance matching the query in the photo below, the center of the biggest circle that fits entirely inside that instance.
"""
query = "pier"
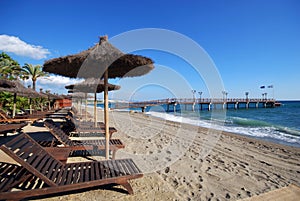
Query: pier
(202, 104)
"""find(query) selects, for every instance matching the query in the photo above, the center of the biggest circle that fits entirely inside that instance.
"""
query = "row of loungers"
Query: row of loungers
(38, 115)
(42, 168)
(11, 128)
(75, 145)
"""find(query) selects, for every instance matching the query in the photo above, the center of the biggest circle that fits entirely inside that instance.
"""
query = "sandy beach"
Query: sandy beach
(185, 162)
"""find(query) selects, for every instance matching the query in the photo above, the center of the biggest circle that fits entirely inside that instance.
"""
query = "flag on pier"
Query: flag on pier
(270, 86)
(262, 87)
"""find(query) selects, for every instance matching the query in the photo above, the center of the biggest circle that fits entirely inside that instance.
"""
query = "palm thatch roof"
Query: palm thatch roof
(18, 88)
(91, 85)
(51, 96)
(93, 62)
(77, 95)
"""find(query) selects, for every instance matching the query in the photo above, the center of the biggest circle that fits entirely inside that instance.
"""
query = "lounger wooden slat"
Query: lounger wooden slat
(92, 172)
(112, 170)
(87, 172)
(82, 173)
(107, 170)
(97, 173)
(102, 171)
(76, 173)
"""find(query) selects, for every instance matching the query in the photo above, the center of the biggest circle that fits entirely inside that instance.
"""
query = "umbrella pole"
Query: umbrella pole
(30, 106)
(80, 107)
(95, 109)
(14, 106)
(106, 120)
(85, 96)
(41, 104)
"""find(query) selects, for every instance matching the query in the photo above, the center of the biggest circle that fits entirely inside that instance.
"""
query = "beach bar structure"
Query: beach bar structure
(202, 104)
(64, 102)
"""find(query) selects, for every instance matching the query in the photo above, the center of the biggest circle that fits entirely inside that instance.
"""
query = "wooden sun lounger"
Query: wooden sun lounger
(87, 130)
(59, 177)
(83, 145)
(92, 132)
(8, 128)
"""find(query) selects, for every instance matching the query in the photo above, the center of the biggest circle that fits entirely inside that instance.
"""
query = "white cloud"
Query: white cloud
(57, 80)
(54, 83)
(17, 46)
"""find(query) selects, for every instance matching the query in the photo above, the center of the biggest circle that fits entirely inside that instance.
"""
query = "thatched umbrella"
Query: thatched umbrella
(17, 88)
(101, 61)
(92, 85)
(51, 97)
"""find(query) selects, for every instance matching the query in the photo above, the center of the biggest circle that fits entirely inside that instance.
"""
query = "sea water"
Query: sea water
(279, 124)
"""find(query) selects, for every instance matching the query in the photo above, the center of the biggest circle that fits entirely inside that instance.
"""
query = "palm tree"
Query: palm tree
(34, 72)
(9, 69)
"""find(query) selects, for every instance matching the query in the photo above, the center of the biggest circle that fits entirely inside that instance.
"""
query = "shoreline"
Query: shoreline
(272, 141)
(263, 138)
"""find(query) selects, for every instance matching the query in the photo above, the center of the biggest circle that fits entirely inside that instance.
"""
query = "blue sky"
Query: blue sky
(252, 43)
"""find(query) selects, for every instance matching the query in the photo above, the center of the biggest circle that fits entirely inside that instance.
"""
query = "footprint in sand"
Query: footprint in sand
(227, 196)
(263, 162)
(247, 192)
(167, 170)
(200, 179)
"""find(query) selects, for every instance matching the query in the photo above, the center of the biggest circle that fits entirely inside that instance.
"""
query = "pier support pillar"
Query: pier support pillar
(256, 105)
(236, 105)
(247, 105)
(223, 106)
(168, 107)
(209, 107)
(174, 107)
(193, 107)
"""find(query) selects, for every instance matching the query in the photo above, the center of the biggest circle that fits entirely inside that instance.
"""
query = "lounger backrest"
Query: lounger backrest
(29, 154)
(3, 115)
(58, 133)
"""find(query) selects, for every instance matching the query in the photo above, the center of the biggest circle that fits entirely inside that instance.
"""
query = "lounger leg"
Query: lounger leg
(128, 187)
(114, 154)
